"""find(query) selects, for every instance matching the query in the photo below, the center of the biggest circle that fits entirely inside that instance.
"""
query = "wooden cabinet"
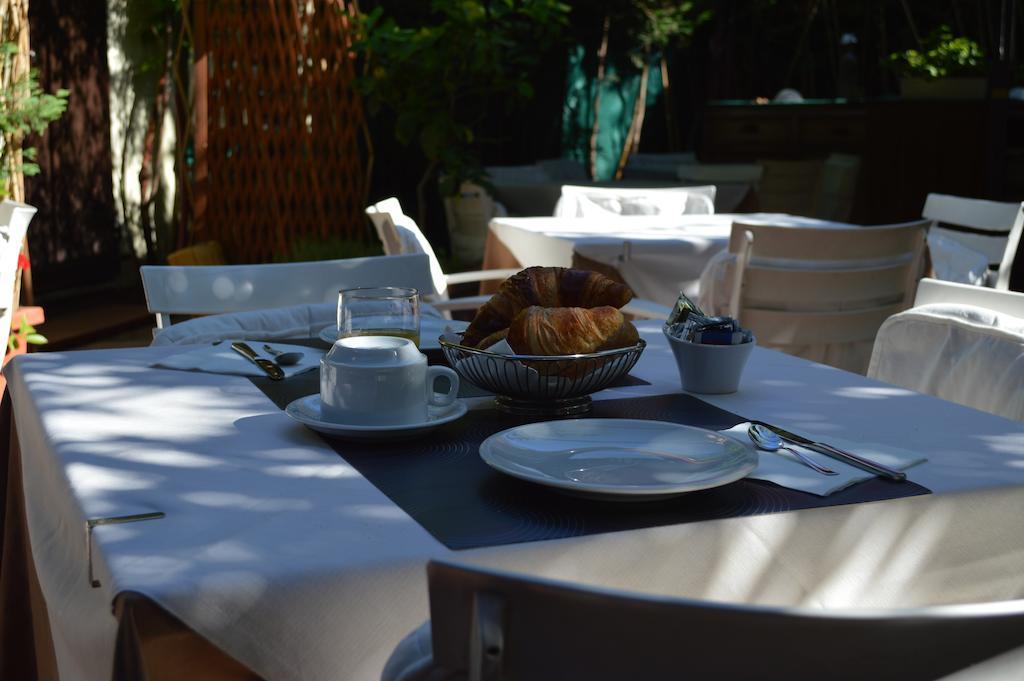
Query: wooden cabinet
(907, 148)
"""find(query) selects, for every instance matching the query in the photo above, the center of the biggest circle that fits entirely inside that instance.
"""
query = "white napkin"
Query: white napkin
(786, 470)
(221, 359)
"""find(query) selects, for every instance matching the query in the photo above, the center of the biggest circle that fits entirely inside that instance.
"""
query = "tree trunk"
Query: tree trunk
(421, 195)
(149, 174)
(636, 124)
(602, 55)
(671, 124)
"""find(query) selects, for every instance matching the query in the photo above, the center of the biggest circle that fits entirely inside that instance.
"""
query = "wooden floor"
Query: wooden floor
(113, 319)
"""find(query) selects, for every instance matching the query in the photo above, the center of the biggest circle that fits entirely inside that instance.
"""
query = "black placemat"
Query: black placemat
(440, 480)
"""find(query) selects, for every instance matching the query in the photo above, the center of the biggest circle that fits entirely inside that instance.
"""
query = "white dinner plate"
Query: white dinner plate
(306, 410)
(620, 459)
(431, 329)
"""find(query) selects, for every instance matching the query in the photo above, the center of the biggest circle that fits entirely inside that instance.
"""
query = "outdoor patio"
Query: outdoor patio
(512, 339)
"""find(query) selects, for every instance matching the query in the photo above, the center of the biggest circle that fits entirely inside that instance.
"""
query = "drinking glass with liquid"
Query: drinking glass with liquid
(379, 311)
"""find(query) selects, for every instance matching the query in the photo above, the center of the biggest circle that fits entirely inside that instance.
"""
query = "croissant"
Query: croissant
(569, 331)
(544, 287)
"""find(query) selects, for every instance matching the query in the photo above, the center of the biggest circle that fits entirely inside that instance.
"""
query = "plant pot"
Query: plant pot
(468, 214)
(33, 316)
(944, 88)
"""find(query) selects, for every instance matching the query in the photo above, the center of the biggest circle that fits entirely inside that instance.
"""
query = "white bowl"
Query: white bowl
(710, 369)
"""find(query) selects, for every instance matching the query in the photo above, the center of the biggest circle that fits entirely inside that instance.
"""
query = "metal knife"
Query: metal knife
(836, 453)
(268, 367)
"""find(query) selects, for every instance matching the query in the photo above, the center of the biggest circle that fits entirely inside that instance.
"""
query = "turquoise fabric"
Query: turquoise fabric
(619, 91)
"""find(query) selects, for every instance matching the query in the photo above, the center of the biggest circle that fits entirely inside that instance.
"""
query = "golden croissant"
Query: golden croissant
(548, 287)
(570, 331)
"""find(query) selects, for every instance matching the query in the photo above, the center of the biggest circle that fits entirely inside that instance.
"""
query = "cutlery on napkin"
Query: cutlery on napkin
(785, 470)
(221, 359)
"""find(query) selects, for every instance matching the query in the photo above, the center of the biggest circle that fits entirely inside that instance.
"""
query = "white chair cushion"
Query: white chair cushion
(952, 261)
(297, 321)
(597, 205)
(598, 202)
(961, 353)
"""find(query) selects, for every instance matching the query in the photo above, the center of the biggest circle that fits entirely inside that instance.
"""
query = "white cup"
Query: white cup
(380, 380)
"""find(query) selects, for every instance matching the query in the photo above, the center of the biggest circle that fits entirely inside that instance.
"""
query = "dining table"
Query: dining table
(657, 255)
(181, 522)
(660, 256)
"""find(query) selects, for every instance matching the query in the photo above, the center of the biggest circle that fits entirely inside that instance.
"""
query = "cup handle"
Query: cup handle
(436, 399)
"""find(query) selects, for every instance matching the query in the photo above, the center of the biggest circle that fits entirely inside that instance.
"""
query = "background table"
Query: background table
(539, 197)
(281, 555)
(657, 255)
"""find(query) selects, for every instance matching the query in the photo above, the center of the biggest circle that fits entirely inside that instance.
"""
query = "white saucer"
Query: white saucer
(431, 329)
(620, 459)
(306, 410)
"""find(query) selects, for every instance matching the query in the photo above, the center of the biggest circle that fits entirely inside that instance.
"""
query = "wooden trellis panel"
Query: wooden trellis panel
(279, 126)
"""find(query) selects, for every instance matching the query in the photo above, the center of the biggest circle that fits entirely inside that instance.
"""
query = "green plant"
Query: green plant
(28, 332)
(24, 108)
(437, 78)
(650, 28)
(941, 55)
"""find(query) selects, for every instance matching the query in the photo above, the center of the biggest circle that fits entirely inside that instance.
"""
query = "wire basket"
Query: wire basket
(544, 385)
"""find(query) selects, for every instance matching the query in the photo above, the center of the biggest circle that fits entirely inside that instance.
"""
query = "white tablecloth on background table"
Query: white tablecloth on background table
(285, 557)
(657, 255)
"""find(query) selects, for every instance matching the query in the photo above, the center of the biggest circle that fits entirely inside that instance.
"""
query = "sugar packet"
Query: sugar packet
(687, 322)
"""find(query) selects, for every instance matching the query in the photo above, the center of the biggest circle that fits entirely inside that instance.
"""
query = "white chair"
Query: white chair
(591, 202)
(468, 214)
(959, 342)
(400, 234)
(1011, 270)
(837, 187)
(220, 289)
(488, 625)
(979, 225)
(14, 220)
(822, 293)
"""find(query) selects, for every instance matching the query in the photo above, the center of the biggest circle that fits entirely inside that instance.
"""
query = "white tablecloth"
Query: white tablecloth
(281, 554)
(657, 255)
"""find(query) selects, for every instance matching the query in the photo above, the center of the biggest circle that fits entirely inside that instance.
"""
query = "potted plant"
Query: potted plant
(24, 109)
(437, 79)
(945, 67)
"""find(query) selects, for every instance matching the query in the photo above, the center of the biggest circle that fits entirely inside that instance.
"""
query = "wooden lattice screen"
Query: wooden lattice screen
(279, 128)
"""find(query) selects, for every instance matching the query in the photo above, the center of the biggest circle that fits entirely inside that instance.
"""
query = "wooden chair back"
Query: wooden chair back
(816, 286)
(488, 625)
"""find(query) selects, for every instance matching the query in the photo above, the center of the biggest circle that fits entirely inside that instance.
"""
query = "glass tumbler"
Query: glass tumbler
(379, 311)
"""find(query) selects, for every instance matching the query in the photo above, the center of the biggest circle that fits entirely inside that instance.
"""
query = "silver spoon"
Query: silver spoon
(285, 359)
(770, 442)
